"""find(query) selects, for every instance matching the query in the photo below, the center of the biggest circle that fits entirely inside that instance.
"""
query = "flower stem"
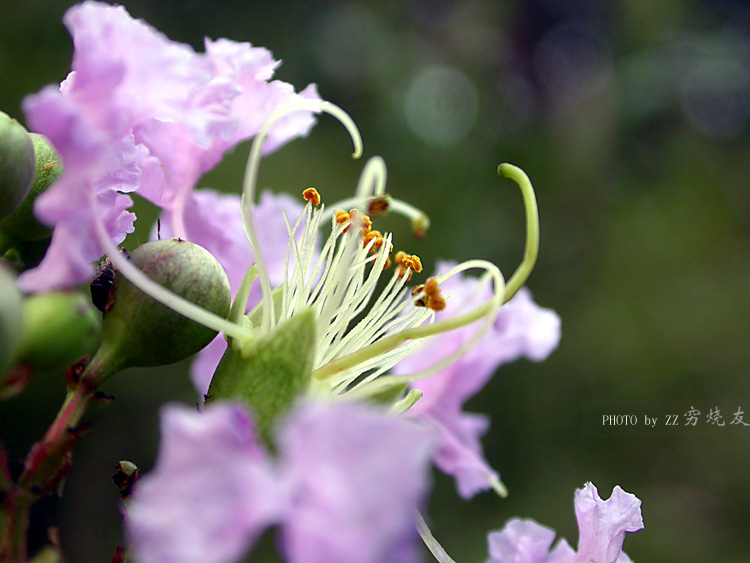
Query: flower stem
(251, 178)
(48, 462)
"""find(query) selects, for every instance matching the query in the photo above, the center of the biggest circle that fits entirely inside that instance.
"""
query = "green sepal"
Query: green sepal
(269, 373)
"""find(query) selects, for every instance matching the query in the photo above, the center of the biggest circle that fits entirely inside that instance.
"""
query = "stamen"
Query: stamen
(251, 178)
(371, 197)
(407, 264)
(373, 179)
(237, 311)
(531, 249)
(420, 222)
(342, 218)
(387, 344)
(411, 399)
(312, 195)
(355, 216)
(432, 296)
(376, 237)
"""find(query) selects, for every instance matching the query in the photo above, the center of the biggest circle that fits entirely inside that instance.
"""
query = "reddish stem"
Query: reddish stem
(48, 462)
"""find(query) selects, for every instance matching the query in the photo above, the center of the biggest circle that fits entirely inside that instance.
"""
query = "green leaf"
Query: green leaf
(269, 373)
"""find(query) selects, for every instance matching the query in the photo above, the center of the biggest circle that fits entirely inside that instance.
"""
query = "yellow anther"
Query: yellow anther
(408, 263)
(341, 216)
(375, 236)
(312, 195)
(434, 298)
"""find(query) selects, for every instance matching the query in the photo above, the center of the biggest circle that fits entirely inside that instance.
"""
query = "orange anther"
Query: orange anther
(410, 261)
(432, 296)
(432, 287)
(374, 236)
(311, 195)
(341, 217)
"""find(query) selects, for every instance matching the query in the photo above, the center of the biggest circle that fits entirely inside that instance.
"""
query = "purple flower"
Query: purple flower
(602, 523)
(355, 478)
(601, 527)
(343, 487)
(521, 329)
(211, 494)
(140, 112)
(525, 541)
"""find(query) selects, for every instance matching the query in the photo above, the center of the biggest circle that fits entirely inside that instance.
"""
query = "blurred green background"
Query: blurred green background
(632, 119)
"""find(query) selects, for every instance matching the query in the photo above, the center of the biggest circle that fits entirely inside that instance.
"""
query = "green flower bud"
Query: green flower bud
(17, 164)
(138, 330)
(22, 225)
(59, 329)
(269, 373)
(11, 314)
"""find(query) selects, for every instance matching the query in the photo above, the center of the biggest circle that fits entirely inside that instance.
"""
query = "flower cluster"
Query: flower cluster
(334, 383)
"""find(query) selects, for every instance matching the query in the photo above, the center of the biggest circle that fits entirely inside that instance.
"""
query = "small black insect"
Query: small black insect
(101, 285)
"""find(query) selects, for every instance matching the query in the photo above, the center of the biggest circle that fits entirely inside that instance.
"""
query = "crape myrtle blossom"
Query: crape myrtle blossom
(141, 113)
(342, 487)
(336, 283)
(602, 525)
(520, 329)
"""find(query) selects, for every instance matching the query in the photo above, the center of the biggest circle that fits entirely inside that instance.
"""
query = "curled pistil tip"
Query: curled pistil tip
(420, 224)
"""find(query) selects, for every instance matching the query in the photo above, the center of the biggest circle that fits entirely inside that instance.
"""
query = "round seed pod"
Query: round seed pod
(11, 313)
(17, 164)
(22, 225)
(138, 330)
(58, 329)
